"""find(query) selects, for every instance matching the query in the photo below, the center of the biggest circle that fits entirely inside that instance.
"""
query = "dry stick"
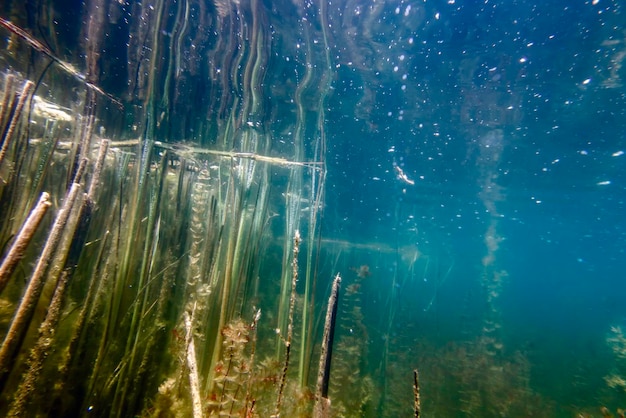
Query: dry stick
(194, 381)
(322, 403)
(26, 90)
(186, 150)
(17, 250)
(24, 314)
(416, 393)
(292, 303)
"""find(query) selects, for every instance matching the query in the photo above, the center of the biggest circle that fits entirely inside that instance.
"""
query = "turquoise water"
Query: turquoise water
(473, 190)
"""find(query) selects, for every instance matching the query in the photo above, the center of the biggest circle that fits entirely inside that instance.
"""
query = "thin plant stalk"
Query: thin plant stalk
(6, 98)
(249, 406)
(29, 86)
(194, 380)
(126, 240)
(147, 261)
(44, 164)
(97, 170)
(231, 260)
(126, 237)
(77, 245)
(292, 302)
(322, 403)
(310, 275)
(68, 68)
(416, 394)
(292, 217)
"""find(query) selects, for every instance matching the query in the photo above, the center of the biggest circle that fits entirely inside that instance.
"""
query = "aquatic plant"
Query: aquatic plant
(616, 340)
(352, 387)
(136, 281)
(158, 193)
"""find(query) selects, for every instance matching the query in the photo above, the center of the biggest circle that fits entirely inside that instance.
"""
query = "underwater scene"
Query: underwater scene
(313, 208)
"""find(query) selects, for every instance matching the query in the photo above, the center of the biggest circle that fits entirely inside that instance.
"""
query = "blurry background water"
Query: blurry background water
(463, 168)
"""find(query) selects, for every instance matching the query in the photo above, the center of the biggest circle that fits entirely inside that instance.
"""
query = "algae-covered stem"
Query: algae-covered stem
(21, 320)
(28, 88)
(322, 403)
(416, 393)
(194, 380)
(7, 97)
(18, 249)
(292, 303)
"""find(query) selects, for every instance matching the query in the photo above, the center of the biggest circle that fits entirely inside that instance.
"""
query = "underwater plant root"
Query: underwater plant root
(17, 250)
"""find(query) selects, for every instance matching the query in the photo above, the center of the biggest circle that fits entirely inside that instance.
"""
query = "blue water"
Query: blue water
(503, 114)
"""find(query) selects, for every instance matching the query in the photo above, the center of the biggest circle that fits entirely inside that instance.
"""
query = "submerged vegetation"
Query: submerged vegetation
(162, 249)
(132, 292)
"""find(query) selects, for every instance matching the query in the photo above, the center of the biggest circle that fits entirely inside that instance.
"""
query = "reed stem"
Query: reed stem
(68, 68)
(9, 80)
(194, 381)
(292, 303)
(97, 170)
(24, 314)
(15, 118)
(18, 249)
(416, 393)
(322, 403)
(40, 351)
